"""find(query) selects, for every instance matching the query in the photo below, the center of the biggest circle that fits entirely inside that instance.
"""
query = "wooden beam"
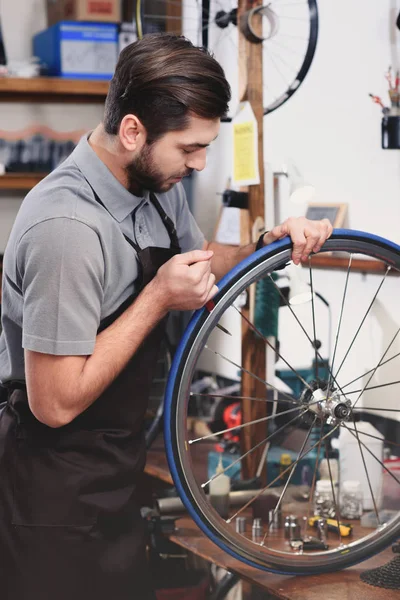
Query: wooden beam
(253, 348)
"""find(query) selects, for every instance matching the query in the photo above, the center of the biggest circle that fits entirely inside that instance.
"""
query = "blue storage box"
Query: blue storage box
(78, 50)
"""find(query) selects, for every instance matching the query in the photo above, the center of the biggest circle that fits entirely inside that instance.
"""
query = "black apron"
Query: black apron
(70, 528)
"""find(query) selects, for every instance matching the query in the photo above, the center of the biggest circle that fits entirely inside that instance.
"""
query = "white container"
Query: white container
(351, 465)
(324, 505)
(219, 491)
(351, 500)
(328, 469)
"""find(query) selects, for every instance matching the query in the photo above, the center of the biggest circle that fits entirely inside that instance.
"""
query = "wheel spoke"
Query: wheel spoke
(273, 41)
(395, 410)
(293, 18)
(266, 50)
(314, 479)
(266, 341)
(370, 370)
(375, 437)
(203, 485)
(204, 395)
(268, 444)
(375, 457)
(335, 504)
(260, 492)
(340, 321)
(377, 366)
(313, 318)
(363, 320)
(247, 424)
(373, 387)
(293, 469)
(248, 372)
(290, 67)
(294, 37)
(366, 472)
(304, 330)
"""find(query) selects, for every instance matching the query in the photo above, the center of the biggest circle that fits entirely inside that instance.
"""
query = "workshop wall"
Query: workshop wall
(332, 131)
(330, 128)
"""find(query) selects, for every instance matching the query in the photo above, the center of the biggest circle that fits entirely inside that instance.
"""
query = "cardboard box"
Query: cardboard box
(78, 50)
(83, 10)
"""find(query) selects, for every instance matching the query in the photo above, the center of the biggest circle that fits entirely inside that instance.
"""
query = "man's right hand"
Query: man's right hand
(185, 282)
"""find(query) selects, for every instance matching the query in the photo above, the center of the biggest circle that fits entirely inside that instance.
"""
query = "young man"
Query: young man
(100, 252)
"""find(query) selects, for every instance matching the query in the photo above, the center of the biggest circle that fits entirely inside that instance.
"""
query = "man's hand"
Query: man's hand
(185, 282)
(307, 236)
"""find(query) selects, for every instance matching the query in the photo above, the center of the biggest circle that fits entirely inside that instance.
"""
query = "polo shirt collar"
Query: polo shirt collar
(116, 198)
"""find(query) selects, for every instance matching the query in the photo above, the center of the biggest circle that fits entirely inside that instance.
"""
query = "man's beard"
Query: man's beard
(144, 175)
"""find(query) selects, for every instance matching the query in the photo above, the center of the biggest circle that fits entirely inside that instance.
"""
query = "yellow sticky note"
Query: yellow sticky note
(245, 147)
(244, 166)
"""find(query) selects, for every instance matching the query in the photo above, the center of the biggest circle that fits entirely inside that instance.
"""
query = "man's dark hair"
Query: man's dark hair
(163, 79)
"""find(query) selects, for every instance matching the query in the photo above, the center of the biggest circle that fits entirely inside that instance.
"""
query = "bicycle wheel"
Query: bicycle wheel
(289, 39)
(360, 381)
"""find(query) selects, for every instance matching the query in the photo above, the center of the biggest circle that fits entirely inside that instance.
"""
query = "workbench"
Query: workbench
(341, 585)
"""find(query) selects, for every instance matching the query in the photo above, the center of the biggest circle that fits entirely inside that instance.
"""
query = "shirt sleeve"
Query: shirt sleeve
(189, 234)
(61, 265)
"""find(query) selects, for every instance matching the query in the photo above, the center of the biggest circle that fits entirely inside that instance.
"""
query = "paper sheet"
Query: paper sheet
(245, 147)
(228, 231)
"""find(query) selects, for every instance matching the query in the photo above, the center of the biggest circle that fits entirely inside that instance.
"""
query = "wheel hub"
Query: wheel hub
(324, 400)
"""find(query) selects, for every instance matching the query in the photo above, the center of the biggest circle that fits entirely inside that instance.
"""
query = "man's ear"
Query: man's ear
(132, 133)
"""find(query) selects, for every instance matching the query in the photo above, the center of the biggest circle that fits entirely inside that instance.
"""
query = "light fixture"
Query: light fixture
(300, 191)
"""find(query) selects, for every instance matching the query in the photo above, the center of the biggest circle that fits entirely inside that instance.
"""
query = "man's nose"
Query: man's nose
(198, 160)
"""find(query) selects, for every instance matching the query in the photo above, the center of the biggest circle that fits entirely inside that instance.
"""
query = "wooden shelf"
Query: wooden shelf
(360, 265)
(20, 181)
(52, 89)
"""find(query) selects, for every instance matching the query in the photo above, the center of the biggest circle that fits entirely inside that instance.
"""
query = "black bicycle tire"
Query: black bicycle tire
(279, 252)
(308, 58)
(304, 69)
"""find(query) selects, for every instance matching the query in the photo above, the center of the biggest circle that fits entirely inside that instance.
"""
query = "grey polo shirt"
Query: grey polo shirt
(67, 264)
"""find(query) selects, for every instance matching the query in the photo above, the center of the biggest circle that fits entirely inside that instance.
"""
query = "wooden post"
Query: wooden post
(253, 348)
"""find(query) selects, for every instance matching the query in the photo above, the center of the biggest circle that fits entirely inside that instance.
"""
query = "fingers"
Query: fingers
(195, 256)
(326, 233)
(205, 286)
(200, 270)
(307, 236)
(213, 291)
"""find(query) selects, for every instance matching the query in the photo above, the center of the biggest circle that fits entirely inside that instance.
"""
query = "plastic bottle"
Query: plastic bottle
(219, 491)
(351, 462)
(324, 505)
(328, 469)
(284, 463)
(351, 500)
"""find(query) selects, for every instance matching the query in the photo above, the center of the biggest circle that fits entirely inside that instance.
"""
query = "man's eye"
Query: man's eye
(187, 151)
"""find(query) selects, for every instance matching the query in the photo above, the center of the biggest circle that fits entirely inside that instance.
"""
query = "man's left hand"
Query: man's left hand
(307, 236)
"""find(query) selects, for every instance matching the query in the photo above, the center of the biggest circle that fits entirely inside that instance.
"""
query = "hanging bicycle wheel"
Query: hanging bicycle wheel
(289, 38)
(357, 384)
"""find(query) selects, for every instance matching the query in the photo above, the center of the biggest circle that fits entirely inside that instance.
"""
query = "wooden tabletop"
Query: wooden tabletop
(341, 585)
(157, 465)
